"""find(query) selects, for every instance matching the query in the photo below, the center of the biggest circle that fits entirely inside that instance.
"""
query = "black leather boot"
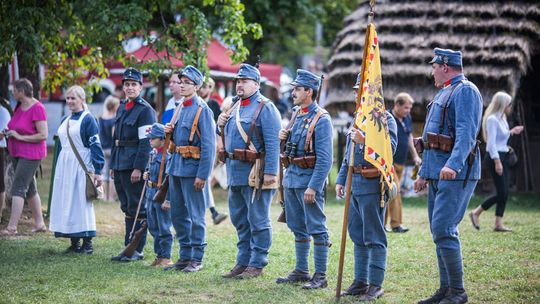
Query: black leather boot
(455, 296)
(357, 288)
(75, 246)
(87, 246)
(436, 297)
(294, 276)
(318, 281)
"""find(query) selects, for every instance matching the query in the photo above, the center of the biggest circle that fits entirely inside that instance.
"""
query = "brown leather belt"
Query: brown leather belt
(367, 171)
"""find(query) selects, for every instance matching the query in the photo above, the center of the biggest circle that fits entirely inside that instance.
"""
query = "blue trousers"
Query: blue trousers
(252, 222)
(366, 229)
(306, 221)
(187, 213)
(447, 203)
(159, 225)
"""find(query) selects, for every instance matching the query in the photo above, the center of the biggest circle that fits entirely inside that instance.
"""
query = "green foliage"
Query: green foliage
(289, 26)
(73, 38)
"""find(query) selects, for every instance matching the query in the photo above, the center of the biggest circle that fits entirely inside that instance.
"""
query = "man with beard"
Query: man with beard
(308, 158)
(129, 155)
(250, 132)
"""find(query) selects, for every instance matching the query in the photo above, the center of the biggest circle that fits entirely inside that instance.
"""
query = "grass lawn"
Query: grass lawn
(499, 267)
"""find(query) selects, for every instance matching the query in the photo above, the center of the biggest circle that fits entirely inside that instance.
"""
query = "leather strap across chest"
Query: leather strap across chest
(308, 147)
(195, 126)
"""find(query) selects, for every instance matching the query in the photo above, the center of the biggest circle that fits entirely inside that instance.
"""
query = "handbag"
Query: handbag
(92, 191)
(511, 157)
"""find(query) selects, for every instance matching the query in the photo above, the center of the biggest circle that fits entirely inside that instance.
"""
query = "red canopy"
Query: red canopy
(218, 60)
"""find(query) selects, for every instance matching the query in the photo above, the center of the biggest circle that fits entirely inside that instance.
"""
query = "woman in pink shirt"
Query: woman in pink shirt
(26, 133)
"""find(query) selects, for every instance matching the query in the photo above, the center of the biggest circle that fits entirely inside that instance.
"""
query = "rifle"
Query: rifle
(160, 195)
(135, 239)
(282, 218)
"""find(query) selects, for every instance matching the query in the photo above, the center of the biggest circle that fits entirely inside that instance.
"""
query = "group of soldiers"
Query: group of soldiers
(249, 138)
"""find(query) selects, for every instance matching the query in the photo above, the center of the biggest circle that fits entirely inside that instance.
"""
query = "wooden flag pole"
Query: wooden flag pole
(348, 188)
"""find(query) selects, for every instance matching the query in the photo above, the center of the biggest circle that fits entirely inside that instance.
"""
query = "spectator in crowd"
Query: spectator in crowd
(402, 113)
(496, 134)
(205, 93)
(26, 133)
(106, 124)
(5, 115)
(72, 214)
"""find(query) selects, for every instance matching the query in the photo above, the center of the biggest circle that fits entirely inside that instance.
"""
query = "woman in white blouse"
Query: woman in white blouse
(496, 134)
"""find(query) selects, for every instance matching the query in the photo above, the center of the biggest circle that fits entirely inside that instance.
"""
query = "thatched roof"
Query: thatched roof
(497, 38)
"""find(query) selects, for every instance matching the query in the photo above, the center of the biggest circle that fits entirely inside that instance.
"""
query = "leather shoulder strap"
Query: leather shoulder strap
(309, 136)
(195, 125)
(445, 107)
(77, 155)
(254, 122)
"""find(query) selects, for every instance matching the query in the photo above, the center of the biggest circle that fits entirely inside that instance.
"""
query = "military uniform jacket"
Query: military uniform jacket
(190, 167)
(153, 172)
(132, 125)
(361, 185)
(462, 122)
(268, 123)
(321, 140)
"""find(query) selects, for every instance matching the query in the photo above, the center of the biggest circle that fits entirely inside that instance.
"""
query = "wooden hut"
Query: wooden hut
(500, 41)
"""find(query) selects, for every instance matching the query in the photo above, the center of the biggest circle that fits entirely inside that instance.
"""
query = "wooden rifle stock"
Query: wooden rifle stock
(161, 194)
(134, 242)
(282, 218)
(167, 143)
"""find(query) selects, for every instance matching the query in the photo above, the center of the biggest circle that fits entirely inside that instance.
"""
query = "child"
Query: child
(158, 216)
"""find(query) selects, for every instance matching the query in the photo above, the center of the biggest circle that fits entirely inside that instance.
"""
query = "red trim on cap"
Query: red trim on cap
(188, 102)
(245, 102)
(130, 104)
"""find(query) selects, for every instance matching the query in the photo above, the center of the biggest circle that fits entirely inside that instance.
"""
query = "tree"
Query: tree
(73, 37)
(289, 26)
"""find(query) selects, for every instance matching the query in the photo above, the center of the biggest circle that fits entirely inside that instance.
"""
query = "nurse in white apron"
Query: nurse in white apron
(72, 215)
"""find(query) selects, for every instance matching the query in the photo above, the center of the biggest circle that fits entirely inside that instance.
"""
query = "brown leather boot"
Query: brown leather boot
(164, 262)
(237, 269)
(250, 272)
(179, 265)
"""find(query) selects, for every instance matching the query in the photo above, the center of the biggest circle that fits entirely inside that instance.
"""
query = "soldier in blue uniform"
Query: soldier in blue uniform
(450, 167)
(158, 215)
(189, 169)
(308, 157)
(251, 141)
(130, 153)
(366, 217)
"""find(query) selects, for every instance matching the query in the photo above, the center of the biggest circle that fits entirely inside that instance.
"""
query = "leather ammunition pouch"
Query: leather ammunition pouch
(246, 155)
(367, 171)
(189, 151)
(172, 147)
(418, 144)
(304, 162)
(222, 155)
(441, 142)
(284, 160)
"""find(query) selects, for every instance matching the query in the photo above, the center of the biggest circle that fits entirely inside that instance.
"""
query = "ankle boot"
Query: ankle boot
(75, 246)
(87, 246)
